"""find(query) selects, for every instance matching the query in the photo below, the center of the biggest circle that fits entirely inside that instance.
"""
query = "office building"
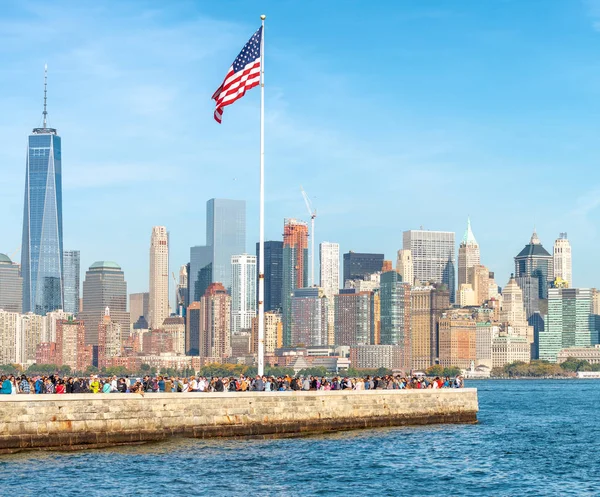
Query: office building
(159, 277)
(215, 323)
(32, 333)
(71, 276)
(225, 235)
(468, 256)
(512, 311)
(310, 314)
(295, 269)
(139, 307)
(357, 266)
(273, 274)
(104, 286)
(70, 343)
(422, 322)
(569, 323)
(243, 292)
(109, 339)
(201, 272)
(404, 266)
(457, 339)
(395, 314)
(175, 328)
(481, 280)
(563, 266)
(355, 317)
(535, 261)
(42, 245)
(329, 261)
(508, 347)
(273, 333)
(433, 254)
(181, 294)
(10, 336)
(192, 329)
(378, 356)
(11, 286)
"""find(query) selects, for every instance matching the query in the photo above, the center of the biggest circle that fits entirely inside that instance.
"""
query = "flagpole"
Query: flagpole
(261, 241)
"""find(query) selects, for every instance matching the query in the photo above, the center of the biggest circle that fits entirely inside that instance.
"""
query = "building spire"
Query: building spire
(45, 113)
(469, 237)
(535, 240)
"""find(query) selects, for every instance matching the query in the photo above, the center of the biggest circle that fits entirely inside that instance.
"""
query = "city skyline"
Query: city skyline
(131, 175)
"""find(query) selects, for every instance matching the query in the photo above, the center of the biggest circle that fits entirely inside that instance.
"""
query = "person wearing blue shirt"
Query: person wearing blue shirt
(6, 385)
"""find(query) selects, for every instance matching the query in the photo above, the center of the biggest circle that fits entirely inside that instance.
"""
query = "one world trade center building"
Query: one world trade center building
(42, 248)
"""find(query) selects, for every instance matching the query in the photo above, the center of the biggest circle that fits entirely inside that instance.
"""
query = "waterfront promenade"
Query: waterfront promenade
(72, 422)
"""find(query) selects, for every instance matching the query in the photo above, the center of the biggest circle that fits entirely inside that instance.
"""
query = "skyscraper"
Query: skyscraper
(201, 271)
(243, 292)
(159, 276)
(139, 307)
(273, 274)
(42, 247)
(295, 269)
(534, 260)
(404, 266)
(512, 312)
(395, 314)
(104, 286)
(357, 266)
(226, 235)
(569, 322)
(433, 257)
(329, 262)
(71, 272)
(214, 330)
(468, 255)
(563, 267)
(309, 317)
(354, 317)
(11, 286)
(421, 324)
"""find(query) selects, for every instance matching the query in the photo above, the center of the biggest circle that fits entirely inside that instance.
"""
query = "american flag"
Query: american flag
(243, 74)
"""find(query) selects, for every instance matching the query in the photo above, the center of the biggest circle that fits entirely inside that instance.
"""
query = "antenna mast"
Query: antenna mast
(45, 113)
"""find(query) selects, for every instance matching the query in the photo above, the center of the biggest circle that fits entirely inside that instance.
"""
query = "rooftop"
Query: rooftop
(105, 265)
(4, 259)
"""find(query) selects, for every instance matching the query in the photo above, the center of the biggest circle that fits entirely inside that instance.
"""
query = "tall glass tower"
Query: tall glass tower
(226, 235)
(42, 248)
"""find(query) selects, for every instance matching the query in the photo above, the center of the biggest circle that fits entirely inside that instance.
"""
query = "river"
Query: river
(534, 437)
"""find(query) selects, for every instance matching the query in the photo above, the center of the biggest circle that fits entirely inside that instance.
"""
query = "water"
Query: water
(536, 437)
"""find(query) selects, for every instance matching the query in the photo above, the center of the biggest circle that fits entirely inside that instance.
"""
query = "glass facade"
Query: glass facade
(226, 235)
(200, 272)
(42, 246)
(273, 274)
(71, 272)
(357, 266)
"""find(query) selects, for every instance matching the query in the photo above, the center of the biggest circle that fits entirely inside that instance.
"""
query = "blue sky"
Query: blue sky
(392, 115)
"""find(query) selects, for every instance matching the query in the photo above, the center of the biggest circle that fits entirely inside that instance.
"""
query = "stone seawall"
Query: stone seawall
(82, 421)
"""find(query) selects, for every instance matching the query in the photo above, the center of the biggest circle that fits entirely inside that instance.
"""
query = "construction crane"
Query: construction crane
(14, 254)
(313, 214)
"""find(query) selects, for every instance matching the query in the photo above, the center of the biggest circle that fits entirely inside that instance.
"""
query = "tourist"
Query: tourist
(6, 386)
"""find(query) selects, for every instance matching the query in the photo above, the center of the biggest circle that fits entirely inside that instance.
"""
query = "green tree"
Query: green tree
(435, 370)
(10, 369)
(572, 364)
(91, 370)
(451, 371)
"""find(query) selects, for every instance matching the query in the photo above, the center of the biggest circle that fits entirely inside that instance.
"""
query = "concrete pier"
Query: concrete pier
(80, 421)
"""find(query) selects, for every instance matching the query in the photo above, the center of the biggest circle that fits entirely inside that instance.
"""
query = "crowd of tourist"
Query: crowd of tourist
(54, 384)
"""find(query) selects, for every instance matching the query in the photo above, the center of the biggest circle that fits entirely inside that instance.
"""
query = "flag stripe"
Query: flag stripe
(243, 75)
